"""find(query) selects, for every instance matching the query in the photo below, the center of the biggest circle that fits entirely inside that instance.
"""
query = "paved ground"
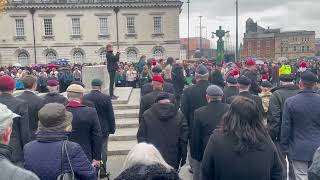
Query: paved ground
(116, 163)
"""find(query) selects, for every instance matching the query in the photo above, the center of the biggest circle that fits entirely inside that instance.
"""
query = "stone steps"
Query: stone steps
(125, 106)
(127, 123)
(129, 113)
(117, 148)
(124, 134)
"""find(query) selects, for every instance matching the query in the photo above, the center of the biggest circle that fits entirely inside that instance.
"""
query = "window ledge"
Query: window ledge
(19, 38)
(157, 34)
(48, 37)
(131, 34)
(76, 37)
(103, 36)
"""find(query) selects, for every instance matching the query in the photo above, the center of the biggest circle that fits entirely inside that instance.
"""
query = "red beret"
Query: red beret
(250, 63)
(264, 77)
(303, 65)
(53, 83)
(158, 79)
(7, 83)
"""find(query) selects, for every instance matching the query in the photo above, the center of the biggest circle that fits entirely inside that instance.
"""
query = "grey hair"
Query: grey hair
(145, 154)
(6, 124)
(74, 96)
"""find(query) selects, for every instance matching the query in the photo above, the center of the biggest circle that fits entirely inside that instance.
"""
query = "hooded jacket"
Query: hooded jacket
(163, 121)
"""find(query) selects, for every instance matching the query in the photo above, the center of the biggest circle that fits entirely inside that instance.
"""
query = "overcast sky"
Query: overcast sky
(284, 14)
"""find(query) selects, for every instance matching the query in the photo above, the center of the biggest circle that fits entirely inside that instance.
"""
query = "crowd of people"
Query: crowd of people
(230, 121)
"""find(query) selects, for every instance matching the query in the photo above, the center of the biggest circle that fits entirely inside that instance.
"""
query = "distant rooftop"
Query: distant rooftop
(93, 3)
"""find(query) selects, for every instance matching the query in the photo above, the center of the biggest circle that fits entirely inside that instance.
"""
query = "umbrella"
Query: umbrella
(259, 62)
(17, 65)
(35, 65)
(53, 66)
(61, 61)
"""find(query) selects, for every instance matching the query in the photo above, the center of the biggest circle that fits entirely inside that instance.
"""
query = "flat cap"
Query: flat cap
(162, 96)
(202, 70)
(308, 76)
(214, 90)
(266, 84)
(78, 83)
(286, 78)
(52, 83)
(6, 114)
(75, 88)
(96, 82)
(232, 80)
(244, 80)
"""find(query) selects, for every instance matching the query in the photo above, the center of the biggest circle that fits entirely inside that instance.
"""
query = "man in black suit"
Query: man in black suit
(206, 120)
(231, 89)
(86, 129)
(244, 87)
(105, 112)
(112, 63)
(149, 99)
(20, 127)
(193, 98)
(167, 86)
(34, 102)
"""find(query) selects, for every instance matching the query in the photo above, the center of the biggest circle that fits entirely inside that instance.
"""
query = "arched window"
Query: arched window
(132, 55)
(103, 57)
(23, 59)
(78, 57)
(51, 56)
(157, 54)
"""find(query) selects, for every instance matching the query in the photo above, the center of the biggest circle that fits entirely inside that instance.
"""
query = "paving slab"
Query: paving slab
(135, 97)
(125, 106)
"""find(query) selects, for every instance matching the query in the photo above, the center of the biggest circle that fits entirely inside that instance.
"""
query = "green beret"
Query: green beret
(96, 82)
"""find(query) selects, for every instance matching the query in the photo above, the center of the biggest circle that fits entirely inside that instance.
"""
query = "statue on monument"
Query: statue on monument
(220, 33)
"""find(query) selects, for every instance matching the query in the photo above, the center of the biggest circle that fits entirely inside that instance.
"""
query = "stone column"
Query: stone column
(96, 72)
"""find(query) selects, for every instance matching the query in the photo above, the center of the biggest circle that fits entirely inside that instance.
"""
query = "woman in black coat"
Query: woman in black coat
(241, 147)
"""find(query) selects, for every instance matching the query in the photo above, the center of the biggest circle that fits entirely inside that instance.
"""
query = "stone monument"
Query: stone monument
(96, 72)
(220, 44)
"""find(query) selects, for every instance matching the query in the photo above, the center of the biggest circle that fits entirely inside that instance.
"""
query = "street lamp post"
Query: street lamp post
(237, 31)
(116, 10)
(188, 53)
(200, 36)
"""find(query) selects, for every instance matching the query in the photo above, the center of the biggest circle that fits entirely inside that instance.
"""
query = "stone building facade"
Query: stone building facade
(80, 29)
(273, 45)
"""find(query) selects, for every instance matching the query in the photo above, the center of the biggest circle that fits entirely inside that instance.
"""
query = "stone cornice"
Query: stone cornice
(177, 4)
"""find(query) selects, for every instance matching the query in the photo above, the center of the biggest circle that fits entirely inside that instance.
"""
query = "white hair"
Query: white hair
(74, 96)
(145, 154)
(6, 118)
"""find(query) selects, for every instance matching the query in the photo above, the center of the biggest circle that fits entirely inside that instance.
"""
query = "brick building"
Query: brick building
(272, 44)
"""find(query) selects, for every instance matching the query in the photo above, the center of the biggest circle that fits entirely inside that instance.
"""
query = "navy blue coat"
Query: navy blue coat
(86, 129)
(104, 109)
(43, 156)
(300, 128)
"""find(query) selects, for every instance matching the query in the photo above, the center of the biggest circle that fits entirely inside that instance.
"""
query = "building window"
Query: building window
(78, 57)
(76, 26)
(103, 26)
(308, 49)
(132, 55)
(19, 27)
(23, 59)
(130, 25)
(287, 49)
(47, 27)
(103, 57)
(50, 57)
(157, 54)
(295, 48)
(268, 44)
(157, 25)
(302, 48)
